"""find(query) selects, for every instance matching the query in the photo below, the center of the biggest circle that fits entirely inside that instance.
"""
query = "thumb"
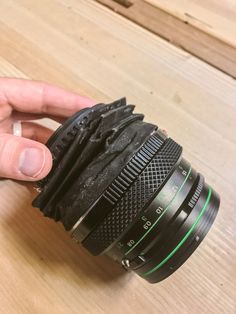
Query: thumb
(23, 159)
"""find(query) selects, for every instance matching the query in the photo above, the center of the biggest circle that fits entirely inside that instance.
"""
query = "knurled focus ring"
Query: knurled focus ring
(114, 192)
(135, 199)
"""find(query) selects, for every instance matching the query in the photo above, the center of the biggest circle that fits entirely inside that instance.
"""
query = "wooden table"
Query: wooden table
(87, 48)
(206, 29)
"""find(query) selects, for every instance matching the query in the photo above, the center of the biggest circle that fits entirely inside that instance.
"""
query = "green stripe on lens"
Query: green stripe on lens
(180, 189)
(184, 239)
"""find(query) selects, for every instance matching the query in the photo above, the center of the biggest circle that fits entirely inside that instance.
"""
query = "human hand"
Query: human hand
(27, 158)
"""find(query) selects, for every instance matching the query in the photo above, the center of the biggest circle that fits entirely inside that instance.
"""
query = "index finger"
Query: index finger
(40, 98)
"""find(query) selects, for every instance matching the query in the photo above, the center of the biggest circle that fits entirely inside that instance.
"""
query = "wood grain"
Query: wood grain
(206, 29)
(211, 16)
(85, 47)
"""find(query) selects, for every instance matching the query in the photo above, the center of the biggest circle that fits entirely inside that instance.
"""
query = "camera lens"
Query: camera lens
(122, 188)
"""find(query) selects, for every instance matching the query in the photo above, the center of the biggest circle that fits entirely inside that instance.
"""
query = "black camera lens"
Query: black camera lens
(122, 188)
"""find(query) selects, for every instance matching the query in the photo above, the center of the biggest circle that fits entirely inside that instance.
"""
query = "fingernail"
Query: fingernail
(31, 162)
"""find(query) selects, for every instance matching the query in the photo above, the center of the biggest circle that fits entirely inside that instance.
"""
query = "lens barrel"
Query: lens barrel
(123, 189)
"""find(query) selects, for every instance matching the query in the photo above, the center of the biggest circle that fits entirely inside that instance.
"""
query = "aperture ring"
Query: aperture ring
(135, 199)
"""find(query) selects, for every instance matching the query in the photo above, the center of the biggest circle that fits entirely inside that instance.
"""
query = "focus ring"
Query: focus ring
(135, 199)
(114, 192)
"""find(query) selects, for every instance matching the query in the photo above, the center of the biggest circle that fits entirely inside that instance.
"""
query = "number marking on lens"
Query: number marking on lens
(150, 225)
(120, 245)
(159, 210)
(184, 238)
(147, 225)
(130, 243)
